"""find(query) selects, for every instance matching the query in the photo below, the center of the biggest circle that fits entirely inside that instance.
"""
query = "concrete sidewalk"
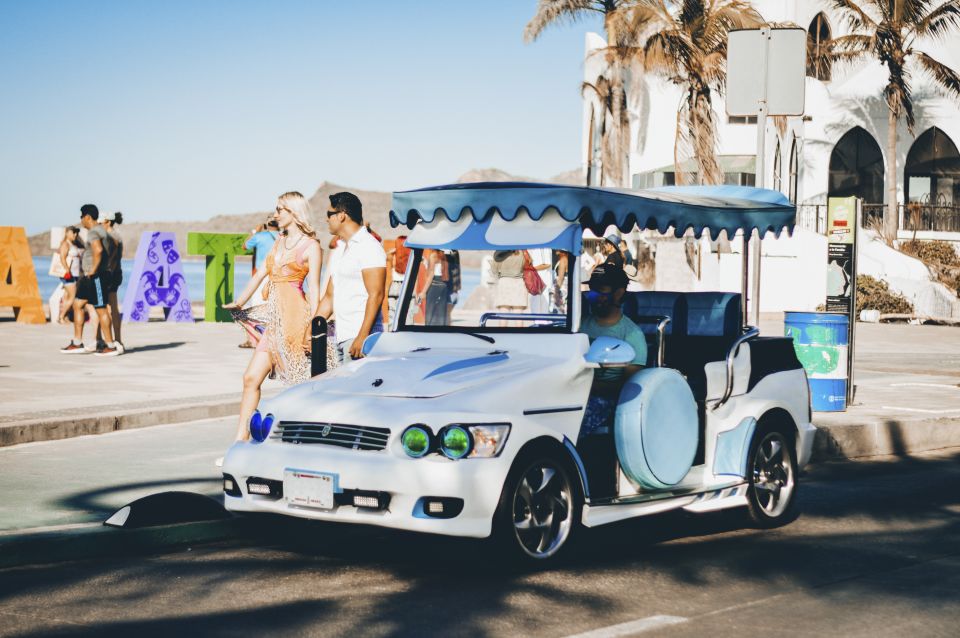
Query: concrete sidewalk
(170, 373)
(907, 378)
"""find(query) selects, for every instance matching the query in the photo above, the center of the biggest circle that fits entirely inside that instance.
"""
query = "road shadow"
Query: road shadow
(155, 346)
(857, 518)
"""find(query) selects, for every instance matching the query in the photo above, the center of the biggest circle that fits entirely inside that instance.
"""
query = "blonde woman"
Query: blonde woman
(280, 327)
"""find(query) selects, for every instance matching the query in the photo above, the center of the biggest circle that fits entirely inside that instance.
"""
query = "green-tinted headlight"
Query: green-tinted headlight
(416, 441)
(455, 442)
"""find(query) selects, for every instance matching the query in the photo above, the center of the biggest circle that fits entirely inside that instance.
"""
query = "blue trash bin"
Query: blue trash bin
(821, 340)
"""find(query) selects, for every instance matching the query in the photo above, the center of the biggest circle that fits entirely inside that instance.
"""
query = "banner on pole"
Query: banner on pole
(841, 238)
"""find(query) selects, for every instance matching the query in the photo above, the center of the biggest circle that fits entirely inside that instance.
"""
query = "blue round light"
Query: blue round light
(260, 426)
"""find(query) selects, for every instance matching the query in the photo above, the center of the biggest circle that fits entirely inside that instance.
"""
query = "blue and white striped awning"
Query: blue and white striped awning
(710, 208)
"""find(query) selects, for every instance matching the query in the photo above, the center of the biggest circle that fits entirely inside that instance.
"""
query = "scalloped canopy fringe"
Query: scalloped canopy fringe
(710, 208)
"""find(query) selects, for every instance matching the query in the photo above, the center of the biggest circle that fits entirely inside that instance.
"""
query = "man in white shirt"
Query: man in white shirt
(358, 271)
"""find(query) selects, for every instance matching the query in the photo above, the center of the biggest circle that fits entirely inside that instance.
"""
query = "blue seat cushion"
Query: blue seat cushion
(713, 314)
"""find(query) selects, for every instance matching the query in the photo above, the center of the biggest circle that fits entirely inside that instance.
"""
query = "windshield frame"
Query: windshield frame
(413, 266)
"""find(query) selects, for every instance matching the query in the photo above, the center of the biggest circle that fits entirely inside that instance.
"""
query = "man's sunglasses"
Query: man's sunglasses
(331, 213)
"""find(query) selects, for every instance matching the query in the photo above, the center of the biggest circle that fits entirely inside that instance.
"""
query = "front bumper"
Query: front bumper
(478, 482)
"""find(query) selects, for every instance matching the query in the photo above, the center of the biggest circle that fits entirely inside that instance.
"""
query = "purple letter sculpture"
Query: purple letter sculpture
(157, 280)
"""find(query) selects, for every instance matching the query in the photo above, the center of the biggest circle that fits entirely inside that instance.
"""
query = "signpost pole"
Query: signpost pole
(858, 218)
(760, 168)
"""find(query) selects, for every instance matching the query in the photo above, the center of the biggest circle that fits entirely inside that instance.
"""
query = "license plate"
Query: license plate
(304, 488)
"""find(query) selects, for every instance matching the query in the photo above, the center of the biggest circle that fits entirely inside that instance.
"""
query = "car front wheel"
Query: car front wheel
(538, 509)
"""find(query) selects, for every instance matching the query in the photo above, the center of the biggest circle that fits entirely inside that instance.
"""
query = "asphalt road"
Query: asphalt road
(875, 552)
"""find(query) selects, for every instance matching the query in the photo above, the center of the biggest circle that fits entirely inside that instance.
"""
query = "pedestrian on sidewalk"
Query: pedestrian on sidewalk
(71, 253)
(113, 276)
(281, 325)
(357, 277)
(261, 241)
(91, 287)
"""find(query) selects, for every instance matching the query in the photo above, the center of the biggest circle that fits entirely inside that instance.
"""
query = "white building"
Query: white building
(837, 148)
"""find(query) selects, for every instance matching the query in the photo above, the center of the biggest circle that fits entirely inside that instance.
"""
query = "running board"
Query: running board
(614, 510)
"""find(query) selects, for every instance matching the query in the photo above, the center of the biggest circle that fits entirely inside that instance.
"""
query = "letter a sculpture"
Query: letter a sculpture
(18, 279)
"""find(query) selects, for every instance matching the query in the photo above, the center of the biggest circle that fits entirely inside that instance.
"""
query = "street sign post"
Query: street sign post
(778, 89)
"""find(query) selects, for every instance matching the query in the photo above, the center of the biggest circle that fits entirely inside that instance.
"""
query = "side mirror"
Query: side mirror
(607, 352)
(369, 343)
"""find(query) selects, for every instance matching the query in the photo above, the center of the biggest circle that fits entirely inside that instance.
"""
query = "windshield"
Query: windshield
(487, 290)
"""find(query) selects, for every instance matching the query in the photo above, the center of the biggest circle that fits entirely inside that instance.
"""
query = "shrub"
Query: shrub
(939, 253)
(876, 295)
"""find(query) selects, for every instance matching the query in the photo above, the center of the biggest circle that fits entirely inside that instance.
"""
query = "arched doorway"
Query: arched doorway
(856, 168)
(931, 183)
(777, 169)
(794, 172)
(818, 35)
(932, 171)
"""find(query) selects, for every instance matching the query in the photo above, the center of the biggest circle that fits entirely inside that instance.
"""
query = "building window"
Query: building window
(818, 37)
(741, 119)
(794, 171)
(777, 182)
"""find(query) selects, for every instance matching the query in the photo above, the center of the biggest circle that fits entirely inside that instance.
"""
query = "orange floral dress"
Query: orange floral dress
(281, 325)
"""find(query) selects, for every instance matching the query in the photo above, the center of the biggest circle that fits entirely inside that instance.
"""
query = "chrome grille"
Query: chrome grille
(349, 436)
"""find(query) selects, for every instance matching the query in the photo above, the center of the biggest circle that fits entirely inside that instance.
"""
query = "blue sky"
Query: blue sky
(184, 110)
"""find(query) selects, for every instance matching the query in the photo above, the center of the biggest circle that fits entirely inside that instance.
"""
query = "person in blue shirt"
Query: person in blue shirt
(261, 241)
(608, 284)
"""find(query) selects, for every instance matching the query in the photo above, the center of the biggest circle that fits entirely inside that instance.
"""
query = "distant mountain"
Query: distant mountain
(572, 177)
(376, 210)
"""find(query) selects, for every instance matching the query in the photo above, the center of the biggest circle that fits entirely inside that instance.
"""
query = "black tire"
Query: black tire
(551, 508)
(772, 477)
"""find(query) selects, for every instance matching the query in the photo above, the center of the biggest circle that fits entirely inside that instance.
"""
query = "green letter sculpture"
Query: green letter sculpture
(220, 249)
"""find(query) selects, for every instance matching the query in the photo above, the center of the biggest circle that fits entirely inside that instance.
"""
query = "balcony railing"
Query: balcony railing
(919, 217)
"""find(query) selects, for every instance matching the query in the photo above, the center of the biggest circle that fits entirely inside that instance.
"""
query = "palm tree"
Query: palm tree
(613, 99)
(614, 125)
(685, 43)
(890, 30)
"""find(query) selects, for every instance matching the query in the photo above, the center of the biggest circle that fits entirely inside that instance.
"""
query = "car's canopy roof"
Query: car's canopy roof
(711, 208)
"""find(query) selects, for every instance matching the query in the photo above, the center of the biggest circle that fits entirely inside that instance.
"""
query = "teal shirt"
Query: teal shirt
(625, 330)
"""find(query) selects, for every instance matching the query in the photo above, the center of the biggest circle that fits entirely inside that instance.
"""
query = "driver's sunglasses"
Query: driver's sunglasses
(593, 296)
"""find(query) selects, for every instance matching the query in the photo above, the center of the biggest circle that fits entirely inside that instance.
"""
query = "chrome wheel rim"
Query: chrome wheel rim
(542, 510)
(773, 480)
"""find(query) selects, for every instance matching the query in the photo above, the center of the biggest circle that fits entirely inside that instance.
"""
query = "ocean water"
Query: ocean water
(194, 271)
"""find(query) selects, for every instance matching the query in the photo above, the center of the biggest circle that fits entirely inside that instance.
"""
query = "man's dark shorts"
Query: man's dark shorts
(92, 290)
(112, 281)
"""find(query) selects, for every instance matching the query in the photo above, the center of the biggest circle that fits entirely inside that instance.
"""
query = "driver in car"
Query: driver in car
(608, 284)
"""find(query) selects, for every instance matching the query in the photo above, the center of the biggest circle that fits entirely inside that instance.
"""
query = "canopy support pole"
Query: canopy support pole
(745, 280)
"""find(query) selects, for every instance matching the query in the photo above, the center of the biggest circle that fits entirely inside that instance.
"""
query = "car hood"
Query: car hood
(426, 374)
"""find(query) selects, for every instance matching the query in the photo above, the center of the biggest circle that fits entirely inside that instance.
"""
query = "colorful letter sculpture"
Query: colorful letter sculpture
(220, 249)
(157, 280)
(18, 279)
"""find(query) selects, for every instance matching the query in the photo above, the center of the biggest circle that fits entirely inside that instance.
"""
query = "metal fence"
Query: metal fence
(919, 217)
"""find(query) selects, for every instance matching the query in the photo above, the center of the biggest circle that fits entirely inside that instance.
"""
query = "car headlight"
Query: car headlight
(488, 439)
(455, 441)
(417, 440)
(260, 427)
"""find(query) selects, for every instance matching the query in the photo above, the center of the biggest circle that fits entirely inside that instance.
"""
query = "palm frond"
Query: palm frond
(940, 21)
(556, 12)
(853, 16)
(943, 75)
